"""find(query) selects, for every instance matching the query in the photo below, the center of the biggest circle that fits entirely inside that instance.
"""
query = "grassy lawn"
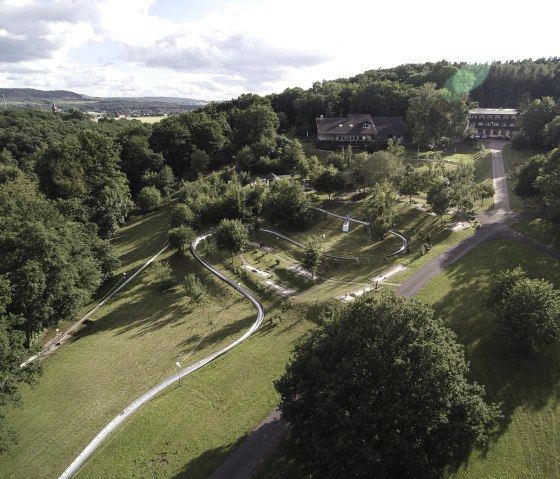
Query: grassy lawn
(128, 346)
(189, 430)
(541, 229)
(132, 343)
(527, 442)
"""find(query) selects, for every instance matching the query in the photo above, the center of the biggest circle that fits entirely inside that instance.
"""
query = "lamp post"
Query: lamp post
(178, 364)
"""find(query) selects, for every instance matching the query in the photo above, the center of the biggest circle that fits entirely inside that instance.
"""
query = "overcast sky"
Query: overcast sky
(218, 49)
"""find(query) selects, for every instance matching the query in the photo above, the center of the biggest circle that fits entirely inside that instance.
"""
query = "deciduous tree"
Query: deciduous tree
(195, 289)
(527, 310)
(381, 390)
(288, 205)
(149, 199)
(232, 236)
(312, 255)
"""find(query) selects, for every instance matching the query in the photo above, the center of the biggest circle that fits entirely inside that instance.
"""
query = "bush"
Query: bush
(149, 199)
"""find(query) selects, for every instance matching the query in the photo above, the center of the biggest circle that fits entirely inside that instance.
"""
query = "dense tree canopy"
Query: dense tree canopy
(232, 236)
(380, 390)
(288, 205)
(12, 354)
(527, 310)
(434, 114)
(52, 264)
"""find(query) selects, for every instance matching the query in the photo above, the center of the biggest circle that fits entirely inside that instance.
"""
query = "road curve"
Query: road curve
(128, 411)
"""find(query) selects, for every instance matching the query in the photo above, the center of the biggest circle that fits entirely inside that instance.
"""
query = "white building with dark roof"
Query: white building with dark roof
(359, 128)
(493, 122)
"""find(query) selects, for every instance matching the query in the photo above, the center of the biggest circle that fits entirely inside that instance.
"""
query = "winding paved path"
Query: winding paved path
(493, 227)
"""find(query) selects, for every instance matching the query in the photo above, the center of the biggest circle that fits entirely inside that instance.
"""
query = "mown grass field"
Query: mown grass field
(147, 119)
(541, 229)
(527, 442)
(133, 343)
(129, 345)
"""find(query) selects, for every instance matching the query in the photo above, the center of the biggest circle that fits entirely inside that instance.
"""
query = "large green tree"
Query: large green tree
(381, 390)
(527, 310)
(548, 184)
(380, 209)
(53, 264)
(433, 114)
(532, 121)
(232, 236)
(312, 255)
(288, 205)
(12, 355)
(329, 181)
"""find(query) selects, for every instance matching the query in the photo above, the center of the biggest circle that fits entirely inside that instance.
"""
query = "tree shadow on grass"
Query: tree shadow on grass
(202, 466)
(144, 236)
(218, 335)
(143, 307)
(511, 379)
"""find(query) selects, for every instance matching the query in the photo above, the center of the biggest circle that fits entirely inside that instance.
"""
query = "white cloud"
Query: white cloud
(251, 45)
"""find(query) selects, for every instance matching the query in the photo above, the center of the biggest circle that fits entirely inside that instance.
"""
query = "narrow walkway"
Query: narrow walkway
(261, 442)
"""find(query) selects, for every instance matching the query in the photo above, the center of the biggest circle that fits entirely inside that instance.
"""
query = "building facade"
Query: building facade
(358, 128)
(493, 122)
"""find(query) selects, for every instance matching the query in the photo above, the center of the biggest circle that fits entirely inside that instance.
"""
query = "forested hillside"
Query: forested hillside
(387, 92)
(67, 184)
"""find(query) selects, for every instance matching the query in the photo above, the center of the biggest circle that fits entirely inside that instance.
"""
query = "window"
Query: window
(483, 116)
(480, 123)
(511, 125)
(365, 125)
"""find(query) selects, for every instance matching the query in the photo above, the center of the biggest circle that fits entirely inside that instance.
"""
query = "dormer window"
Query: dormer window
(365, 125)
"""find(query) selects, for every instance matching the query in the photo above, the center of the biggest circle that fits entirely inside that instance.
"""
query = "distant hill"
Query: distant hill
(29, 98)
(29, 94)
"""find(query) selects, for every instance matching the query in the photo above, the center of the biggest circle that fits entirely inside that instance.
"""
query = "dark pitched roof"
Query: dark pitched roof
(353, 125)
(389, 125)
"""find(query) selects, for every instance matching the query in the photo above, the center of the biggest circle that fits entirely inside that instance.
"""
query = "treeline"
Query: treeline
(539, 179)
(387, 92)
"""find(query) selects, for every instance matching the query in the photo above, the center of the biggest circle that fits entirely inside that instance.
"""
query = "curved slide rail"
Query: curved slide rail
(128, 411)
(402, 237)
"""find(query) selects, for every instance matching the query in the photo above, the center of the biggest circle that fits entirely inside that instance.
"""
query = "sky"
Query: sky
(218, 49)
